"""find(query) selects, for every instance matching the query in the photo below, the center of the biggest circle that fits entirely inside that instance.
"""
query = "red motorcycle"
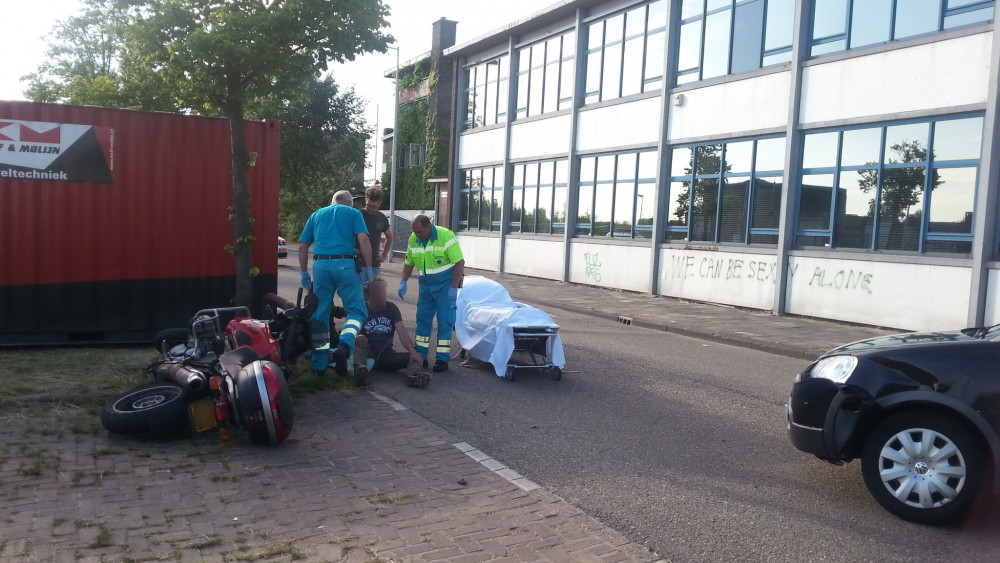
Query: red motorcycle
(223, 372)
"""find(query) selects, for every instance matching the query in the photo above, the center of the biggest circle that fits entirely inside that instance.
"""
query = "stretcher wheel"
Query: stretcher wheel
(556, 373)
(509, 376)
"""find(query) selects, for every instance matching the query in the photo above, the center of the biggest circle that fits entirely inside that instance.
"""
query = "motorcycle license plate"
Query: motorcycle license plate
(203, 415)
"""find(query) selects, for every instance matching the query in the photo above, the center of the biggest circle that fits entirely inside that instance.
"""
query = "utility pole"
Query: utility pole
(375, 144)
(395, 151)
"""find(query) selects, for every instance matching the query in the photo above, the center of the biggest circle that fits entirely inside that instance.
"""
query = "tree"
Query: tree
(706, 160)
(232, 58)
(323, 144)
(901, 189)
(226, 53)
(90, 61)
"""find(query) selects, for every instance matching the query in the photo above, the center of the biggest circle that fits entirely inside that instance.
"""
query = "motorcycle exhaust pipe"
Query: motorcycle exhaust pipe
(190, 379)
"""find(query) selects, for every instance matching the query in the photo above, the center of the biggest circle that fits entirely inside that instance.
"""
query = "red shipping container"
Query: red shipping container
(114, 222)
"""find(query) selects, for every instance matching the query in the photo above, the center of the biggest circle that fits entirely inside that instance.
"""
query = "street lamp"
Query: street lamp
(395, 151)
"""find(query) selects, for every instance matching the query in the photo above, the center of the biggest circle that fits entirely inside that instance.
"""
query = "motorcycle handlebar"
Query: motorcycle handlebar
(278, 301)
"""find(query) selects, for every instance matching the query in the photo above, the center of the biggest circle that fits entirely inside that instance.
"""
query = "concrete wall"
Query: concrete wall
(481, 147)
(992, 316)
(898, 295)
(481, 252)
(540, 138)
(744, 280)
(618, 125)
(724, 109)
(604, 265)
(534, 257)
(947, 73)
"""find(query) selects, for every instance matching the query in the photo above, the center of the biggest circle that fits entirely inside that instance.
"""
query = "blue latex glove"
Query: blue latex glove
(402, 289)
(453, 294)
(306, 280)
(366, 275)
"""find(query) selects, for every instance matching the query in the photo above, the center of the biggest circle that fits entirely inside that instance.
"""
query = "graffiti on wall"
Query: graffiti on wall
(692, 266)
(593, 262)
(708, 268)
(841, 280)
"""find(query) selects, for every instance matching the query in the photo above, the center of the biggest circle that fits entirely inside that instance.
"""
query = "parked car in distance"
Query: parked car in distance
(921, 411)
(282, 248)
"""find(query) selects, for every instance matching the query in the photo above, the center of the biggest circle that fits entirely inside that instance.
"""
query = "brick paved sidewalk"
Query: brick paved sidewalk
(362, 479)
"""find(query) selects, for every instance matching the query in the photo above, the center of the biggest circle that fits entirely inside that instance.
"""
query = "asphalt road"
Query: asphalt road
(679, 444)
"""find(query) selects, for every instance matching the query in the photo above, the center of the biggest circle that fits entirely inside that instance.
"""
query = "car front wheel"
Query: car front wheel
(923, 467)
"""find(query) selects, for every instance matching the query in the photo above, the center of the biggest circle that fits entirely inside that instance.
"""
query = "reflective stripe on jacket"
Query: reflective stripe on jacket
(438, 254)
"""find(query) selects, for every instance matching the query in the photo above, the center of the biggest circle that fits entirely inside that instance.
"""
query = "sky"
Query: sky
(26, 24)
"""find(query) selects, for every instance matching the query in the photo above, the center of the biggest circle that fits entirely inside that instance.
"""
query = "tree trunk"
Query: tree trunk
(242, 225)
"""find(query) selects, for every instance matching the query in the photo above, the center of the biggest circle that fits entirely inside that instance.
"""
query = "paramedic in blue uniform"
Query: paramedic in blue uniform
(434, 253)
(332, 232)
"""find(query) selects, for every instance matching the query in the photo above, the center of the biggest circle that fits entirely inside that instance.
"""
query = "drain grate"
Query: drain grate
(627, 321)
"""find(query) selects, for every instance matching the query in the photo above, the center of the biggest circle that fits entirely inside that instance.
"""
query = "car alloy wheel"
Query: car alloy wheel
(923, 466)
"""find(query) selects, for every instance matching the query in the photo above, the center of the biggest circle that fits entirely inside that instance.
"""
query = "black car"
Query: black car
(921, 411)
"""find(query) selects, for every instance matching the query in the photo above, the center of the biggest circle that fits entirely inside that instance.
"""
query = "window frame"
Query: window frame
(697, 71)
(929, 166)
(519, 184)
(636, 181)
(943, 14)
(645, 84)
(753, 175)
(500, 87)
(523, 78)
(466, 191)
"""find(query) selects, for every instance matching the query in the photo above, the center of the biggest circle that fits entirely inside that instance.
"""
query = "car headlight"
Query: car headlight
(835, 368)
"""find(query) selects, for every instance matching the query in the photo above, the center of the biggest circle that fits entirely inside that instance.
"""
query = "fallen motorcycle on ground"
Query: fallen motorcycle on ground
(222, 372)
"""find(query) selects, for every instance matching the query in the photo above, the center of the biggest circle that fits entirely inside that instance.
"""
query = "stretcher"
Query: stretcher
(510, 336)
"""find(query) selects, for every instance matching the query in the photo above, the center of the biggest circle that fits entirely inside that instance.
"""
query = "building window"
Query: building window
(851, 24)
(720, 37)
(538, 197)
(480, 199)
(486, 93)
(625, 53)
(880, 188)
(545, 75)
(736, 195)
(617, 195)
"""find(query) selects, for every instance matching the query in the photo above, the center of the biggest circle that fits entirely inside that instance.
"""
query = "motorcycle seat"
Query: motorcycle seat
(234, 360)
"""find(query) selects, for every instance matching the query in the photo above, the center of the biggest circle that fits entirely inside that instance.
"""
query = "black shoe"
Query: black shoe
(440, 366)
(340, 356)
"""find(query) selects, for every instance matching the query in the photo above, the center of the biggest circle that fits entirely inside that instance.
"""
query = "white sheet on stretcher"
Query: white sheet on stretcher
(486, 319)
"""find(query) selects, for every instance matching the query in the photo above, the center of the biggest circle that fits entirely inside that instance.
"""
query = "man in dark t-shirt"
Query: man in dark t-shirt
(374, 344)
(377, 224)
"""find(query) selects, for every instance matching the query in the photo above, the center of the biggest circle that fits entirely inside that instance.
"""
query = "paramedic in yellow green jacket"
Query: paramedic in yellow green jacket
(434, 253)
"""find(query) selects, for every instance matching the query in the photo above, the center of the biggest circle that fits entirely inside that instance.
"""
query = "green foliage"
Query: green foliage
(232, 58)
(322, 147)
(414, 125)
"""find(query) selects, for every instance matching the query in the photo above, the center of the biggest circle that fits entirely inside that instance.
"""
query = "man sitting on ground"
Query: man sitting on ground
(373, 349)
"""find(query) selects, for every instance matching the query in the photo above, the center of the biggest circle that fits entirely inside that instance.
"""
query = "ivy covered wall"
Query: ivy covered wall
(414, 125)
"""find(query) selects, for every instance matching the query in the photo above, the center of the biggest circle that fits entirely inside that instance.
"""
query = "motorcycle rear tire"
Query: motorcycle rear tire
(159, 410)
(171, 337)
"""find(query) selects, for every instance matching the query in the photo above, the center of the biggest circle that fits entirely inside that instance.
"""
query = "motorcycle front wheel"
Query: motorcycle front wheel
(160, 410)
